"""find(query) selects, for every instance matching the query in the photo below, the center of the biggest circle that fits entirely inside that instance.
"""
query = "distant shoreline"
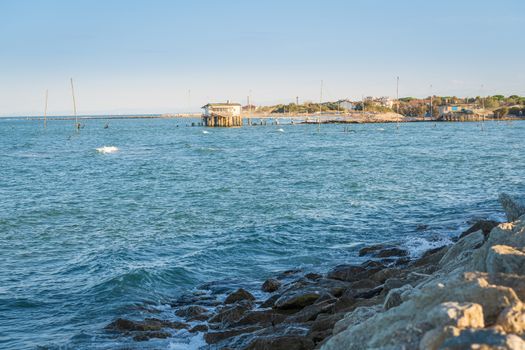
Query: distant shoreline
(325, 118)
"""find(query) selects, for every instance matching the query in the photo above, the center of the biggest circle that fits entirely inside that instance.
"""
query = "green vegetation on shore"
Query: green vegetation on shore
(500, 105)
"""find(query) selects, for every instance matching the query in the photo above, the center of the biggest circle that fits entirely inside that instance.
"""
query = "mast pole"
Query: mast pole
(74, 105)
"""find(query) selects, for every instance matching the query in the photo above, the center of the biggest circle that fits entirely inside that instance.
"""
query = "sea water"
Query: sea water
(107, 222)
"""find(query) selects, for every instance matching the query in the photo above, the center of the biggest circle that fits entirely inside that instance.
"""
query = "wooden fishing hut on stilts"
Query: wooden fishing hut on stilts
(222, 115)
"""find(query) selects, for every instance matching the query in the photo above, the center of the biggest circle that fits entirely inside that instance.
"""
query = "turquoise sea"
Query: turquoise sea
(88, 236)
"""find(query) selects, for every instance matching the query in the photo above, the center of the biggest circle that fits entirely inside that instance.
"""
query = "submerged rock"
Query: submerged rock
(271, 285)
(149, 324)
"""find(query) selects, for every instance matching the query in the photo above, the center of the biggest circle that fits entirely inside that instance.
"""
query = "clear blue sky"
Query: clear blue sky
(143, 56)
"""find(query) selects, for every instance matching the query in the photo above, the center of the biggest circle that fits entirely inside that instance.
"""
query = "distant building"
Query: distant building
(346, 104)
(224, 109)
(461, 112)
(456, 109)
(222, 114)
(383, 101)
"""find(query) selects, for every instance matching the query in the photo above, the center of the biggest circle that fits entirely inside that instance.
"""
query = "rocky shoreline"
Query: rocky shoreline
(467, 295)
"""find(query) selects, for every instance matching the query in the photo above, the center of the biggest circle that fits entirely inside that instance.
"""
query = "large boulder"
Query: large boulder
(238, 295)
(297, 299)
(482, 339)
(512, 319)
(514, 207)
(505, 259)
(485, 226)
(355, 317)
(405, 325)
(271, 285)
(349, 273)
(459, 253)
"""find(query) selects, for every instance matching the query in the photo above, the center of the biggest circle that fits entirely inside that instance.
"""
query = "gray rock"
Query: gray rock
(395, 296)
(505, 259)
(513, 207)
(476, 338)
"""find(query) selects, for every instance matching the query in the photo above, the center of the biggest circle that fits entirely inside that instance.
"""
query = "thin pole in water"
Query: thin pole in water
(320, 107)
(45, 113)
(77, 126)
(397, 95)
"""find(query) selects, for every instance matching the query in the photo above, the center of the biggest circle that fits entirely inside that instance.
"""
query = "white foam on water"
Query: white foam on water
(193, 343)
(280, 130)
(107, 149)
(205, 132)
(419, 245)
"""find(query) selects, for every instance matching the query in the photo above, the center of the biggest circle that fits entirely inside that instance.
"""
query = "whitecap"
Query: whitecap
(107, 149)
(195, 342)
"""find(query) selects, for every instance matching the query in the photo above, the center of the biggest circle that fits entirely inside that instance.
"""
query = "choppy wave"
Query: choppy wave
(107, 149)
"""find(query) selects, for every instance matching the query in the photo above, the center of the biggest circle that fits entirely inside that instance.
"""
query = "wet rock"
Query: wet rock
(401, 262)
(326, 297)
(514, 207)
(231, 314)
(271, 285)
(238, 295)
(370, 293)
(199, 328)
(270, 301)
(217, 336)
(373, 249)
(389, 252)
(430, 257)
(284, 342)
(365, 283)
(371, 264)
(296, 299)
(322, 327)
(189, 299)
(151, 335)
(262, 318)
(344, 303)
(331, 286)
(289, 273)
(350, 273)
(149, 324)
(193, 313)
(484, 225)
(313, 276)
(383, 251)
(310, 313)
